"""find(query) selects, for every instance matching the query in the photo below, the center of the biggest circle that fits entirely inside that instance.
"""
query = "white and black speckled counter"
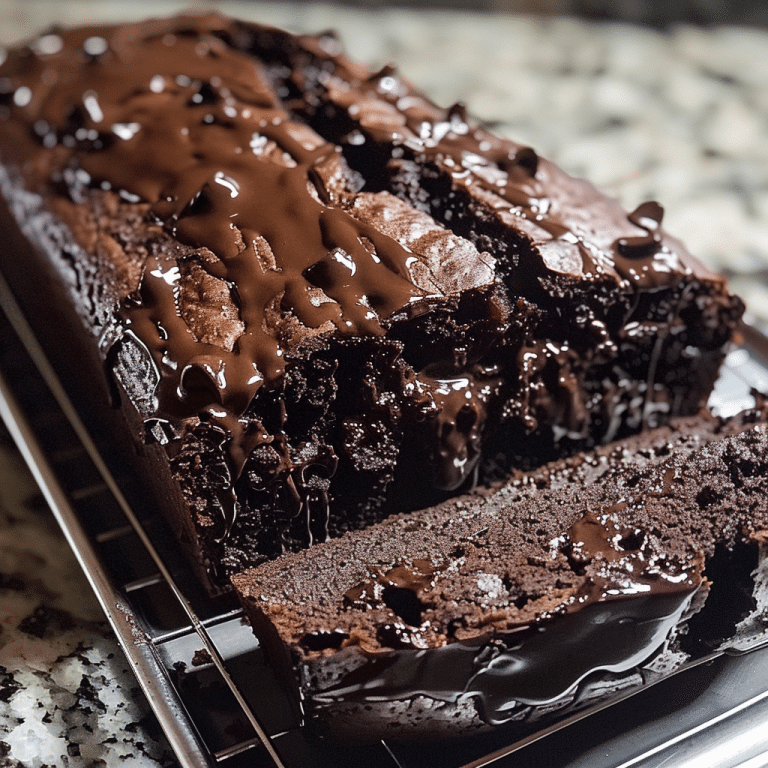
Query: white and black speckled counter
(67, 696)
(681, 117)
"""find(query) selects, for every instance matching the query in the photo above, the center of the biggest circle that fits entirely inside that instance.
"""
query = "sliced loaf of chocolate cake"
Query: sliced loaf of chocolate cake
(552, 592)
(321, 298)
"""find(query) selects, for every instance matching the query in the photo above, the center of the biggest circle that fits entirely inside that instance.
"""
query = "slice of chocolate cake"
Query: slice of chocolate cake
(543, 595)
(317, 319)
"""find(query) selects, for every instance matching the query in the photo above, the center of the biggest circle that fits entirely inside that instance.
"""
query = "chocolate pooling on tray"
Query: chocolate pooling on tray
(322, 300)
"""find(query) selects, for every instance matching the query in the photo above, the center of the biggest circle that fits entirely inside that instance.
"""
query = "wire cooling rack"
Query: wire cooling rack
(202, 669)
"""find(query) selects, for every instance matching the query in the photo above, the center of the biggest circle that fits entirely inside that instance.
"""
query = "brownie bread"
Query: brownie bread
(322, 298)
(546, 594)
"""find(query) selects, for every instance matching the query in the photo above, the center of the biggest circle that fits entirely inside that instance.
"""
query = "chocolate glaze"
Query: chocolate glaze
(462, 409)
(533, 666)
(417, 577)
(247, 220)
(558, 240)
(399, 588)
(171, 115)
(383, 109)
(626, 563)
(538, 596)
(224, 168)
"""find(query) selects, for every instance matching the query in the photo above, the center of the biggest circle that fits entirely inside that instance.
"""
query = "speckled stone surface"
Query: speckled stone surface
(67, 697)
(681, 117)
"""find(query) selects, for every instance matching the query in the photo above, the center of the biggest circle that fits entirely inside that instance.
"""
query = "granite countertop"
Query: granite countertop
(681, 117)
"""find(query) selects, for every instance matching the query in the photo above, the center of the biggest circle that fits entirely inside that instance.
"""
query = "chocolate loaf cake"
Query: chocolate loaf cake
(546, 594)
(320, 297)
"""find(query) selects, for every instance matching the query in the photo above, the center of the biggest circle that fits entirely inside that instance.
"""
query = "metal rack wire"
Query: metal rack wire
(196, 659)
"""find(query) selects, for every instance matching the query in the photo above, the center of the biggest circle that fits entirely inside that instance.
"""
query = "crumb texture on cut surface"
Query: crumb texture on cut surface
(592, 574)
(106, 241)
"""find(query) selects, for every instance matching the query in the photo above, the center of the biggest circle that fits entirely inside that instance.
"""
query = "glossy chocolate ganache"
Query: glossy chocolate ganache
(326, 297)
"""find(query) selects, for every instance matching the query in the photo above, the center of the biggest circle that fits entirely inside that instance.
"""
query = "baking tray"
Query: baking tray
(202, 669)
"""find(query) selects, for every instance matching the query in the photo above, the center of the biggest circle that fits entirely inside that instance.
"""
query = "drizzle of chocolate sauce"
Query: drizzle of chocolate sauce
(516, 182)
